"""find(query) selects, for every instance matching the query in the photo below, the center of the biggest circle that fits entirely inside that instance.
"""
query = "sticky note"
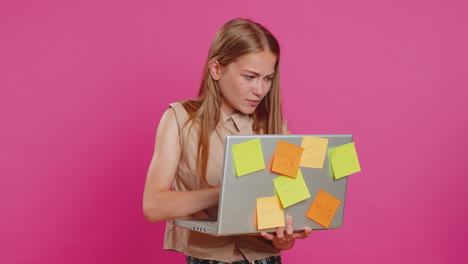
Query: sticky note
(248, 157)
(286, 159)
(344, 160)
(291, 190)
(315, 150)
(323, 208)
(270, 214)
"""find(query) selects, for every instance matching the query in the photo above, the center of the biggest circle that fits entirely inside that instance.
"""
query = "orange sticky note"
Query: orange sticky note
(270, 214)
(323, 208)
(287, 159)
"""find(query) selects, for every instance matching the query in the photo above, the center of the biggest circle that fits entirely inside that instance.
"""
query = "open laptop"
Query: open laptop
(237, 200)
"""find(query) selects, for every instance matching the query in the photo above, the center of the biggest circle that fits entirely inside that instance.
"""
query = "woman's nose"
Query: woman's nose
(258, 88)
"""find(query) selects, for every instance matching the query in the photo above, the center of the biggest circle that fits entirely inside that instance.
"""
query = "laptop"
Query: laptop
(238, 195)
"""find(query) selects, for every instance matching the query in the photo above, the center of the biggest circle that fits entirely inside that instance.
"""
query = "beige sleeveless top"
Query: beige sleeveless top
(195, 244)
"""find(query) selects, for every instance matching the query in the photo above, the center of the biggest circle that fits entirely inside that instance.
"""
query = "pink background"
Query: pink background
(83, 84)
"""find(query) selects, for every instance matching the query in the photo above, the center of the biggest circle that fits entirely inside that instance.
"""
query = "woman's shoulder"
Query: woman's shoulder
(183, 110)
(177, 111)
(176, 105)
(189, 105)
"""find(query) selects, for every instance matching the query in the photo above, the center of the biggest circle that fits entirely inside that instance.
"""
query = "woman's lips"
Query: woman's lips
(253, 102)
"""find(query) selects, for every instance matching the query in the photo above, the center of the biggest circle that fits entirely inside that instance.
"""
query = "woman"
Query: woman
(239, 94)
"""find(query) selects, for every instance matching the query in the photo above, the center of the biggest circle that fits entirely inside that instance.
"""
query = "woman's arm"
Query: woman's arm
(159, 202)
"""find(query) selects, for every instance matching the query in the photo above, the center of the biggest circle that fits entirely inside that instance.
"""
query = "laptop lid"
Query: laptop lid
(238, 197)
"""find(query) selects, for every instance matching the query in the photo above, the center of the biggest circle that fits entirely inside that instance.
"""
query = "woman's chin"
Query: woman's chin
(248, 111)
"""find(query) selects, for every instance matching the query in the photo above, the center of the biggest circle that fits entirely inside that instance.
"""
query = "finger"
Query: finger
(289, 226)
(299, 235)
(307, 233)
(267, 235)
(280, 233)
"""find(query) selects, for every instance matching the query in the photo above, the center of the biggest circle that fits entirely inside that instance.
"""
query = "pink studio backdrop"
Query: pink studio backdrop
(83, 84)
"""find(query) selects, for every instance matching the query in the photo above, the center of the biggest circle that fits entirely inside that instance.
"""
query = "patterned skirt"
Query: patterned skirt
(269, 260)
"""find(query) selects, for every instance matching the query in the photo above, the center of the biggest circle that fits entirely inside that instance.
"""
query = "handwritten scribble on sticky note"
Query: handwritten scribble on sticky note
(270, 214)
(291, 190)
(323, 208)
(286, 159)
(315, 150)
(248, 157)
(344, 160)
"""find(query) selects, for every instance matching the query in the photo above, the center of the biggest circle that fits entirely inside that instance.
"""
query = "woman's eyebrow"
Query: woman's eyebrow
(256, 73)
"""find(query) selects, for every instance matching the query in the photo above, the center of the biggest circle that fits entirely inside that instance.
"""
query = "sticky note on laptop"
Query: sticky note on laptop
(286, 159)
(315, 150)
(270, 214)
(344, 160)
(248, 157)
(323, 208)
(291, 190)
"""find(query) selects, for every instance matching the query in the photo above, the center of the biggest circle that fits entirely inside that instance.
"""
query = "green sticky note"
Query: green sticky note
(248, 157)
(291, 190)
(344, 160)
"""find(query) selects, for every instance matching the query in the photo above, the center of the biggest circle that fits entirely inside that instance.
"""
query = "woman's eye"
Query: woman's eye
(269, 79)
(248, 77)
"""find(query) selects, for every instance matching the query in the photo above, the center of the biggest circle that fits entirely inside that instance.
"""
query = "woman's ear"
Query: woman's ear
(215, 70)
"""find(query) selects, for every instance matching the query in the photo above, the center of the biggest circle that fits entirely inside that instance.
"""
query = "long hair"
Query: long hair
(236, 38)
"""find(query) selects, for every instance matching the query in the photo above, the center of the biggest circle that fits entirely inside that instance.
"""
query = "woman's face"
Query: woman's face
(246, 81)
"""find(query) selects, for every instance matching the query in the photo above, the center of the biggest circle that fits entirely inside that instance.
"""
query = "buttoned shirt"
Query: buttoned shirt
(196, 244)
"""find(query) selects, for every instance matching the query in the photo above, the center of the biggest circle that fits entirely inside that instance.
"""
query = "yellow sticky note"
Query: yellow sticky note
(323, 208)
(315, 150)
(286, 159)
(291, 190)
(344, 160)
(248, 157)
(270, 214)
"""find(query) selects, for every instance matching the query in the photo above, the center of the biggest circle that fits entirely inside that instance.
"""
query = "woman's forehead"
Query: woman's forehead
(260, 62)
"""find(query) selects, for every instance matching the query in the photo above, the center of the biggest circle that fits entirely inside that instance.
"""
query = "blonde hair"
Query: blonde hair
(236, 38)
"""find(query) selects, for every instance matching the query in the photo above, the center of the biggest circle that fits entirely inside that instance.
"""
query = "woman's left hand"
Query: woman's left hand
(285, 240)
